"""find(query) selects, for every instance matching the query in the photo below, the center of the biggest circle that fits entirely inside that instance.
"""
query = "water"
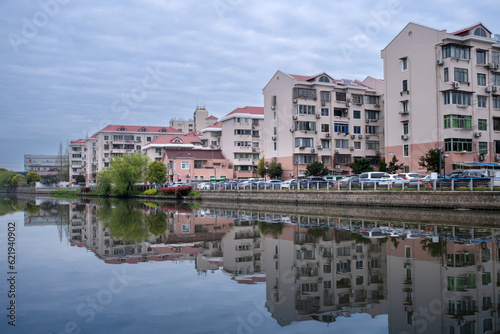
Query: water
(129, 267)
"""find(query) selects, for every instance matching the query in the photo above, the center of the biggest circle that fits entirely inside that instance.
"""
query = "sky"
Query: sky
(69, 68)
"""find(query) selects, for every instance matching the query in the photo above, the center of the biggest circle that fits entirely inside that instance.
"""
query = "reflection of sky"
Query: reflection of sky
(55, 280)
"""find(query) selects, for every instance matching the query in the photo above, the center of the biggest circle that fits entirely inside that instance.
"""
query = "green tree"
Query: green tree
(32, 178)
(18, 180)
(104, 181)
(6, 178)
(361, 165)
(156, 173)
(394, 166)
(127, 171)
(261, 168)
(124, 221)
(316, 168)
(156, 223)
(382, 165)
(275, 170)
(430, 160)
(48, 180)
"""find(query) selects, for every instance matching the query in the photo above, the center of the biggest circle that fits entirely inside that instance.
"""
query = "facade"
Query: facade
(78, 159)
(242, 141)
(211, 136)
(442, 91)
(318, 118)
(42, 164)
(199, 121)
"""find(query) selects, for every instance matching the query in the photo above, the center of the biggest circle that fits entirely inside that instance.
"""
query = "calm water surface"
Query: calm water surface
(131, 267)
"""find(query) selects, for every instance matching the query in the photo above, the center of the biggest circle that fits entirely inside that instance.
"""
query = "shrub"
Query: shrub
(151, 192)
(177, 191)
(84, 189)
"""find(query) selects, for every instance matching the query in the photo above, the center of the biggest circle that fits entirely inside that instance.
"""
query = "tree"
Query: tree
(6, 178)
(32, 178)
(48, 180)
(127, 171)
(261, 168)
(394, 166)
(156, 173)
(275, 170)
(361, 165)
(382, 165)
(62, 164)
(104, 181)
(430, 161)
(80, 178)
(316, 168)
(18, 180)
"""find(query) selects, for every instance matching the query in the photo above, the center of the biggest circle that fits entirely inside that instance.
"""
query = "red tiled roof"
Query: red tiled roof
(247, 110)
(301, 77)
(211, 117)
(136, 128)
(189, 138)
(463, 32)
(216, 125)
(173, 153)
(79, 141)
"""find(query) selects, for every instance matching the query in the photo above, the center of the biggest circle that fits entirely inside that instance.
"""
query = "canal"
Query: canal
(101, 266)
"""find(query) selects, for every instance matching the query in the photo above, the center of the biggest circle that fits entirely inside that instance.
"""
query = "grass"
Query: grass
(66, 192)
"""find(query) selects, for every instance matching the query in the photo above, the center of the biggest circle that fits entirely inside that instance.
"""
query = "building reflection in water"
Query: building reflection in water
(427, 278)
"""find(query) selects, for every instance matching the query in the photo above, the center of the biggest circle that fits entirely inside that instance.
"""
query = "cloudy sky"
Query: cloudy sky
(69, 68)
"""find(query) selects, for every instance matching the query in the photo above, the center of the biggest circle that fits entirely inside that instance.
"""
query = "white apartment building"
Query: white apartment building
(442, 90)
(42, 164)
(199, 121)
(318, 118)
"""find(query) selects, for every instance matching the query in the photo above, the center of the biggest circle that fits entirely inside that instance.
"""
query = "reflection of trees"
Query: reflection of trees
(32, 208)
(317, 232)
(11, 205)
(273, 229)
(359, 239)
(129, 223)
(435, 249)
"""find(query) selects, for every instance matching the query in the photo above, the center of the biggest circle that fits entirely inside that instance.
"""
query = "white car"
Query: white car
(390, 179)
(204, 186)
(286, 184)
(406, 177)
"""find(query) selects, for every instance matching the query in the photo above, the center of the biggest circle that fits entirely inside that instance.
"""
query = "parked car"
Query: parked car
(313, 182)
(289, 184)
(353, 180)
(248, 184)
(369, 179)
(390, 179)
(273, 184)
(204, 186)
(406, 177)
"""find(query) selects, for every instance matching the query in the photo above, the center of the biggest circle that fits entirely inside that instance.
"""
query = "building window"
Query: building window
(457, 97)
(273, 100)
(496, 102)
(357, 99)
(458, 144)
(341, 143)
(243, 132)
(304, 110)
(340, 96)
(304, 142)
(405, 85)
(357, 145)
(185, 164)
(341, 128)
(457, 121)
(305, 93)
(482, 101)
(325, 112)
(106, 137)
(106, 146)
(446, 75)
(406, 129)
(372, 145)
(372, 129)
(356, 129)
(325, 96)
(456, 51)
(496, 124)
(138, 147)
(326, 159)
(275, 131)
(342, 159)
(408, 252)
(496, 146)
(325, 143)
(324, 78)
(406, 150)
(370, 99)
(325, 127)
(305, 158)
(461, 74)
(483, 147)
(148, 138)
(496, 80)
(372, 114)
(482, 124)
(305, 126)
(404, 64)
(481, 79)
(275, 146)
(274, 114)
(356, 114)
(481, 57)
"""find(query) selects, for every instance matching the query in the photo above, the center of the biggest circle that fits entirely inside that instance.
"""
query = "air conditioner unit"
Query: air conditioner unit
(439, 62)
(367, 136)
(294, 100)
(377, 104)
(337, 166)
(456, 84)
(497, 157)
(345, 111)
(187, 175)
(367, 120)
(328, 134)
(352, 148)
(273, 137)
(313, 150)
(360, 136)
(477, 134)
(320, 147)
(337, 150)
(295, 117)
(273, 107)
(353, 136)
(292, 130)
(318, 115)
(481, 157)
(349, 100)
(494, 88)
(323, 103)
(489, 89)
(302, 147)
(254, 149)
(347, 104)
(404, 137)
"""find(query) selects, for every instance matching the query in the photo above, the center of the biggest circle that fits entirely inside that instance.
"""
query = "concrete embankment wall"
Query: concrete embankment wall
(411, 199)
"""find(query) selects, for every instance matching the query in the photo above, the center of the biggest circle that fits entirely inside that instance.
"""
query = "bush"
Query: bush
(84, 189)
(177, 191)
(151, 192)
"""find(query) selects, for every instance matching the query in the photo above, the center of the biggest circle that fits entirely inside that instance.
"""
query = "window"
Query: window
(274, 114)
(341, 127)
(488, 322)
(495, 57)
(148, 138)
(325, 96)
(325, 127)
(458, 144)
(325, 143)
(372, 144)
(342, 159)
(446, 75)
(324, 78)
(481, 57)
(457, 97)
(304, 142)
(482, 101)
(138, 138)
(305, 159)
(305, 93)
(405, 128)
(461, 74)
(404, 64)
(496, 124)
(496, 146)
(106, 146)
(372, 129)
(480, 32)
(185, 164)
(340, 96)
(482, 124)
(325, 112)
(305, 126)
(406, 150)
(275, 146)
(106, 137)
(275, 131)
(405, 106)
(457, 121)
(496, 102)
(408, 252)
(372, 114)
(456, 51)
(496, 80)
(370, 99)
(158, 150)
(243, 132)
(339, 112)
(143, 130)
(405, 85)
(356, 129)
(341, 143)
(483, 147)
(357, 145)
(357, 99)
(326, 159)
(356, 114)
(273, 100)
(305, 110)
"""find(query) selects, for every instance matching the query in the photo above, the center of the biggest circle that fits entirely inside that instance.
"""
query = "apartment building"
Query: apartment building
(211, 135)
(42, 164)
(77, 158)
(199, 121)
(319, 118)
(442, 91)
